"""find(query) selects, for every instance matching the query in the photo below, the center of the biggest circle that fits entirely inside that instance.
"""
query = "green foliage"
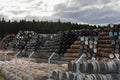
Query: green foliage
(9, 27)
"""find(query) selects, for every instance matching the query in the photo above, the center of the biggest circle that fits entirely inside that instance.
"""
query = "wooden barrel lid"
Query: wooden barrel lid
(86, 42)
(95, 50)
(95, 42)
(110, 33)
(113, 42)
(90, 42)
(90, 46)
(96, 38)
(86, 38)
(81, 46)
(116, 50)
(65, 76)
(55, 74)
(82, 38)
(115, 33)
(119, 37)
(111, 56)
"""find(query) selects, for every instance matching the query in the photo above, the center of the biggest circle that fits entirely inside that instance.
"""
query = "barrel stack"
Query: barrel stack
(51, 44)
(86, 43)
(109, 42)
(59, 42)
(6, 41)
(90, 70)
(105, 48)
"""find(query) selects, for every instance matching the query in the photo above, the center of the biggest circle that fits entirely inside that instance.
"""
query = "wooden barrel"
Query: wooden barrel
(95, 42)
(112, 67)
(95, 67)
(74, 55)
(91, 42)
(65, 76)
(86, 42)
(89, 67)
(82, 38)
(60, 72)
(95, 50)
(74, 66)
(55, 75)
(70, 65)
(90, 46)
(75, 46)
(73, 50)
(71, 76)
(108, 55)
(77, 42)
(83, 67)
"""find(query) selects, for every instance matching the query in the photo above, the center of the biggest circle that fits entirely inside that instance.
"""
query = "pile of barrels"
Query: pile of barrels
(86, 43)
(51, 44)
(67, 38)
(60, 42)
(6, 41)
(90, 70)
(25, 40)
(109, 42)
(97, 44)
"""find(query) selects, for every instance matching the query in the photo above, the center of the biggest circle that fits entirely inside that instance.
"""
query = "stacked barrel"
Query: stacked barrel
(90, 70)
(59, 42)
(26, 40)
(68, 38)
(6, 41)
(86, 43)
(109, 42)
(51, 44)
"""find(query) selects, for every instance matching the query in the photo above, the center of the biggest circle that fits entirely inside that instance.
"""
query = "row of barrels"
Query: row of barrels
(64, 75)
(95, 67)
(74, 36)
(114, 27)
(108, 43)
(52, 44)
(6, 41)
(111, 33)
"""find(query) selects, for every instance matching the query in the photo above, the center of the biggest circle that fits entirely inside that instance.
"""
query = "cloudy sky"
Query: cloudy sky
(78, 11)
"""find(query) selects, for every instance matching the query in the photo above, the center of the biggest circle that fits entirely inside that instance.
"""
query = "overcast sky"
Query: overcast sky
(78, 11)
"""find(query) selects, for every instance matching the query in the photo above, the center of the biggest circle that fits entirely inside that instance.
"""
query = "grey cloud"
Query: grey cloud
(45, 18)
(36, 5)
(91, 15)
(29, 17)
(16, 12)
(1, 8)
(29, 1)
(39, 3)
(3, 16)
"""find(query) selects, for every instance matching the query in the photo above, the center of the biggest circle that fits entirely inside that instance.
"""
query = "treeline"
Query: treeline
(8, 27)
